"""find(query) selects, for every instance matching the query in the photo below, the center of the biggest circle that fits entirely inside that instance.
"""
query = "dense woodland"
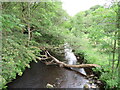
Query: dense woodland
(29, 27)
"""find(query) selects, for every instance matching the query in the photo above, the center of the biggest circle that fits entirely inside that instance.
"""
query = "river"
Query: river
(39, 75)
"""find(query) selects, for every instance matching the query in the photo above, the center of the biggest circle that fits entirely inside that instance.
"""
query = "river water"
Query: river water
(71, 58)
(39, 75)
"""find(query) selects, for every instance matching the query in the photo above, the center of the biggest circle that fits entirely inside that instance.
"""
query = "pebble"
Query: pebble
(93, 86)
(86, 86)
(49, 86)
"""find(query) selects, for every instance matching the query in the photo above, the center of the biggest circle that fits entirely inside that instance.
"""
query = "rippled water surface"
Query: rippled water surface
(39, 75)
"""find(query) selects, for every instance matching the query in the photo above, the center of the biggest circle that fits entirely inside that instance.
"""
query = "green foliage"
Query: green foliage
(45, 20)
(27, 26)
(15, 58)
(9, 26)
(97, 42)
(111, 81)
(15, 55)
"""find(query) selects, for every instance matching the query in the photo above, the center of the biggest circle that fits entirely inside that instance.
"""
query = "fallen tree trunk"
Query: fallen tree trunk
(62, 64)
(82, 65)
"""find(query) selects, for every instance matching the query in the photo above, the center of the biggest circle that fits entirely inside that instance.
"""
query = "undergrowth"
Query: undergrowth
(93, 56)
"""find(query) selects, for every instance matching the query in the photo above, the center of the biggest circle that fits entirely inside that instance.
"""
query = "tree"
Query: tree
(118, 27)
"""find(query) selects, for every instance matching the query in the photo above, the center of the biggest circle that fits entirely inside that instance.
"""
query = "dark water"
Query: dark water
(39, 75)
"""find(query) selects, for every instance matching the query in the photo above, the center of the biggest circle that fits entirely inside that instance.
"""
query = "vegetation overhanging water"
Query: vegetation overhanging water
(29, 28)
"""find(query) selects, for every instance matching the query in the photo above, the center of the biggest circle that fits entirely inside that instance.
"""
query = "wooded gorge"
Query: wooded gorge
(30, 28)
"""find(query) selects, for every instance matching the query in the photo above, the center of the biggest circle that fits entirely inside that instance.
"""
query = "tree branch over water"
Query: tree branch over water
(62, 64)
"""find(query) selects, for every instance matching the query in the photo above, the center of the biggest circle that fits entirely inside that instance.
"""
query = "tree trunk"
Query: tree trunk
(29, 35)
(114, 51)
(62, 64)
(118, 27)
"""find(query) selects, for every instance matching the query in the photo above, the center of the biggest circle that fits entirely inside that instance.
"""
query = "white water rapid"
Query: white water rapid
(71, 58)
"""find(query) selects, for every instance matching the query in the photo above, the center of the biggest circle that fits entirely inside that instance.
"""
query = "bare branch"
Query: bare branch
(68, 65)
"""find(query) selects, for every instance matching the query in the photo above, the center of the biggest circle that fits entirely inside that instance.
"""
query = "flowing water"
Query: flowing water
(39, 75)
(71, 58)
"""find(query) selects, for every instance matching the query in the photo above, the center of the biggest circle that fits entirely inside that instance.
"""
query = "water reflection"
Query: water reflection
(39, 75)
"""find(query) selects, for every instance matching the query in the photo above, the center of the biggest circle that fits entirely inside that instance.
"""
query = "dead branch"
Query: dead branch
(42, 58)
(68, 65)
(49, 63)
(62, 64)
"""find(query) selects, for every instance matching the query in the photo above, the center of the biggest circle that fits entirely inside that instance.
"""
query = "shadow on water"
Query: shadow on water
(39, 75)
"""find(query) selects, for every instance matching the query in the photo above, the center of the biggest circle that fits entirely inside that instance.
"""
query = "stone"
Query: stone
(86, 86)
(49, 86)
